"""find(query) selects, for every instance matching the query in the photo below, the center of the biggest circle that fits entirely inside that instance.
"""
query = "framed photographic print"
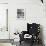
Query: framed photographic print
(20, 13)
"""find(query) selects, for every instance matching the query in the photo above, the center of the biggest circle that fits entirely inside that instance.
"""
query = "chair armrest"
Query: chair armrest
(22, 35)
(24, 32)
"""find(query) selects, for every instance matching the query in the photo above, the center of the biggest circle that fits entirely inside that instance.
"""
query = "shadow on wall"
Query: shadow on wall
(41, 34)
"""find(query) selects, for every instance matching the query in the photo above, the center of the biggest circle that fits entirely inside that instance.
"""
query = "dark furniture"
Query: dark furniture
(42, 1)
(33, 30)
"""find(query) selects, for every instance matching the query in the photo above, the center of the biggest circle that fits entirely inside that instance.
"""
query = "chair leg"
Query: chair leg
(32, 42)
(20, 42)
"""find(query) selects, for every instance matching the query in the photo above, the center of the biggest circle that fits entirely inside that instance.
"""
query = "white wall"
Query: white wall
(3, 1)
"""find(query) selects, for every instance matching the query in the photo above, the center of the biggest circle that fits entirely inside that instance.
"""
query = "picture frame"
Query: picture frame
(21, 14)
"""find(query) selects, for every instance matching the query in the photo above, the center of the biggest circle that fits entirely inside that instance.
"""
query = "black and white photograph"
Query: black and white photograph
(21, 14)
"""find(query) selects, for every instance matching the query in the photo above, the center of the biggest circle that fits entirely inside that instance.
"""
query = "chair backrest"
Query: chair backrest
(33, 28)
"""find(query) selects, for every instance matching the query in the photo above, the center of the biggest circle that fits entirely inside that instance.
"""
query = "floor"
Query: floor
(9, 44)
(27, 44)
(5, 44)
(22, 44)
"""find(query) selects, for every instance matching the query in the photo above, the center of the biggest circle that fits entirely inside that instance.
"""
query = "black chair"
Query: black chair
(32, 29)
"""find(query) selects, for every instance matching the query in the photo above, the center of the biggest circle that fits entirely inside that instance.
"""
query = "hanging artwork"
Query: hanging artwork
(20, 13)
